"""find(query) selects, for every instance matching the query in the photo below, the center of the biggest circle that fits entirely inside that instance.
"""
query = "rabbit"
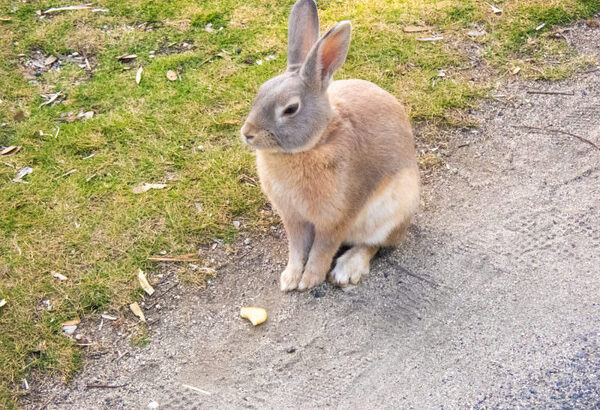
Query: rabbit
(335, 158)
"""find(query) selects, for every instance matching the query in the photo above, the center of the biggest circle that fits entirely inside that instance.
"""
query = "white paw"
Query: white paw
(290, 278)
(349, 268)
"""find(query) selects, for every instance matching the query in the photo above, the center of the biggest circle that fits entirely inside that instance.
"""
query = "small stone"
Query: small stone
(475, 33)
(247, 241)
(236, 224)
(171, 75)
(153, 405)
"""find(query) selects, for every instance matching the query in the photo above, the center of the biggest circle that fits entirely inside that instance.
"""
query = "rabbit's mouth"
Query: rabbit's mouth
(259, 138)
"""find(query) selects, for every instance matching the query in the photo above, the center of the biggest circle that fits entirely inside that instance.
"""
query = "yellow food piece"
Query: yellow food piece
(255, 315)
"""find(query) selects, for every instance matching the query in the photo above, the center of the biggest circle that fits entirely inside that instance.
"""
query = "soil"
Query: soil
(492, 301)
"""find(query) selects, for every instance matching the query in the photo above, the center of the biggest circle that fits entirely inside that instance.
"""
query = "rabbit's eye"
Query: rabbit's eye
(291, 109)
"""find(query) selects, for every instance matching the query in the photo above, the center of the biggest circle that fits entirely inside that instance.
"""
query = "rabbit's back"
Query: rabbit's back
(377, 125)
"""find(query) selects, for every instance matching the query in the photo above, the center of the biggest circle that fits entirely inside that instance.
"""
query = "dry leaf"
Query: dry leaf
(137, 310)
(416, 29)
(5, 19)
(2, 302)
(146, 187)
(73, 322)
(13, 149)
(138, 75)
(49, 60)
(59, 276)
(541, 26)
(22, 173)
(516, 70)
(495, 9)
(19, 116)
(124, 57)
(229, 122)
(68, 173)
(51, 98)
(81, 116)
(86, 115)
(435, 38)
(171, 75)
(144, 283)
(108, 317)
(57, 9)
(475, 33)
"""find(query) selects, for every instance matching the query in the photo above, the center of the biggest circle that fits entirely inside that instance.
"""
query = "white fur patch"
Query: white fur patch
(387, 210)
(350, 267)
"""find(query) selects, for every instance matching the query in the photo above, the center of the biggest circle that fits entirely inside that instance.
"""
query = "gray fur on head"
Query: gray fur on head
(292, 109)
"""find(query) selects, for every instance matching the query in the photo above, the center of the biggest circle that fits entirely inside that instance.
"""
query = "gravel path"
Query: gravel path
(493, 300)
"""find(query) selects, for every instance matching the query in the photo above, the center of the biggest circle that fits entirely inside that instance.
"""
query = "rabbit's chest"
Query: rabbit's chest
(309, 189)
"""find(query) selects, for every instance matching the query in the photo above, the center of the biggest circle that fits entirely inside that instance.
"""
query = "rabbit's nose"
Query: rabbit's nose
(247, 132)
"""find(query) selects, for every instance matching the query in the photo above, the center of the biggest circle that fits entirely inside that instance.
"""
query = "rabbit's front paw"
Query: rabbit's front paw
(290, 278)
(349, 268)
(310, 279)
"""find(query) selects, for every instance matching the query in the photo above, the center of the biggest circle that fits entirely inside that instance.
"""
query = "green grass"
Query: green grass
(90, 227)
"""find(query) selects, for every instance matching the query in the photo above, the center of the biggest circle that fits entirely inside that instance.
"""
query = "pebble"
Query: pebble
(152, 405)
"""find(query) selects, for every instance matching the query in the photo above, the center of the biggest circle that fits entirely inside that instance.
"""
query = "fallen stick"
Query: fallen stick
(196, 389)
(550, 92)
(105, 386)
(47, 402)
(117, 359)
(57, 9)
(587, 141)
(591, 71)
(52, 98)
(180, 258)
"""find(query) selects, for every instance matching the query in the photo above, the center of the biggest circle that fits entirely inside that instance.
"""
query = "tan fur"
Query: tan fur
(336, 159)
(324, 194)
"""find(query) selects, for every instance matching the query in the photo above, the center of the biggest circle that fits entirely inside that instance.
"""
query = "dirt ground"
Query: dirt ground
(492, 301)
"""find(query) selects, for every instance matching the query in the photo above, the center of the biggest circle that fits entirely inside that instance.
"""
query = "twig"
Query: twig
(196, 389)
(52, 98)
(550, 92)
(47, 402)
(587, 141)
(56, 9)
(180, 258)
(163, 293)
(409, 273)
(105, 386)
(68, 173)
(591, 71)
(118, 358)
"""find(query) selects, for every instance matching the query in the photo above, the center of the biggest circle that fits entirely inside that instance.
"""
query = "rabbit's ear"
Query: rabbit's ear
(327, 55)
(303, 32)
